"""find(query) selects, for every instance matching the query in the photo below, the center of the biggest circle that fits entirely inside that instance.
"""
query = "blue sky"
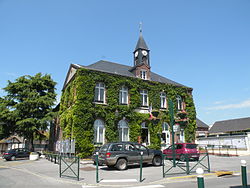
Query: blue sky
(202, 44)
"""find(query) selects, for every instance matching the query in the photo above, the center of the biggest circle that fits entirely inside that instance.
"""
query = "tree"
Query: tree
(29, 103)
(7, 124)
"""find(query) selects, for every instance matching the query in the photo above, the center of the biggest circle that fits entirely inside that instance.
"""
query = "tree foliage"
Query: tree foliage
(28, 105)
(7, 124)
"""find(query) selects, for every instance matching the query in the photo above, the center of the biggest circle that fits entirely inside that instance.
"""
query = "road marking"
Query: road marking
(87, 186)
(120, 180)
(147, 186)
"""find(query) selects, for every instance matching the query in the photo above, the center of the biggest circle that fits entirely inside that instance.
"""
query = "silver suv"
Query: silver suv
(121, 154)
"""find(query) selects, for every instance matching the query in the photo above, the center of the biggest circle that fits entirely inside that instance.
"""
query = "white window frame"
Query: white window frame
(179, 103)
(99, 124)
(144, 93)
(123, 95)
(163, 98)
(122, 125)
(145, 126)
(143, 74)
(100, 86)
(166, 132)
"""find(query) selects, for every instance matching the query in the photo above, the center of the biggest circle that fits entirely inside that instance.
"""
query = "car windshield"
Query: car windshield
(104, 147)
(191, 146)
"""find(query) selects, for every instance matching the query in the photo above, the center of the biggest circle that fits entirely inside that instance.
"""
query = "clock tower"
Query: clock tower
(141, 67)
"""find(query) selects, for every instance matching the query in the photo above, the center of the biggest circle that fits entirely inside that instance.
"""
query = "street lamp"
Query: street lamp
(171, 112)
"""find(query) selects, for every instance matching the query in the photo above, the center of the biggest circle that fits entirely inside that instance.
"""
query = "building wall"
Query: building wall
(78, 111)
(239, 141)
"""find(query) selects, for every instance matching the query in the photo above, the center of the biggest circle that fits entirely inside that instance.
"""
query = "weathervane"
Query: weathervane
(140, 26)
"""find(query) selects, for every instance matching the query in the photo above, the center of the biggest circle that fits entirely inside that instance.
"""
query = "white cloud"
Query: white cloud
(243, 104)
(219, 102)
(11, 74)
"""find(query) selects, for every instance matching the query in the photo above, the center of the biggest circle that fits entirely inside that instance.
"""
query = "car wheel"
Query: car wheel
(13, 158)
(121, 164)
(196, 159)
(157, 160)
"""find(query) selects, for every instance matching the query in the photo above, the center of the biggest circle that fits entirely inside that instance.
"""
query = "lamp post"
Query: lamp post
(171, 112)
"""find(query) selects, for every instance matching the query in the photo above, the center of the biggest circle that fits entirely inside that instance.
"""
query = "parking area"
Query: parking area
(150, 174)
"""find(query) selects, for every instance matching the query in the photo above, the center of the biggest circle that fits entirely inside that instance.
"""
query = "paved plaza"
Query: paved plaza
(43, 173)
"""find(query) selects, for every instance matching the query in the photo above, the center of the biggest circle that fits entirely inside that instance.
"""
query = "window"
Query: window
(179, 103)
(143, 74)
(123, 95)
(117, 147)
(129, 147)
(165, 126)
(140, 147)
(163, 100)
(145, 60)
(144, 133)
(99, 131)
(100, 92)
(178, 146)
(144, 97)
(165, 136)
(123, 130)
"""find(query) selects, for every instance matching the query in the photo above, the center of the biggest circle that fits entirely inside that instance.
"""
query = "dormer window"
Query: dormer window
(143, 74)
(100, 92)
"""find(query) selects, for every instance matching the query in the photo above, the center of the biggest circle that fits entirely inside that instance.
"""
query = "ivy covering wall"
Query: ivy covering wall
(78, 111)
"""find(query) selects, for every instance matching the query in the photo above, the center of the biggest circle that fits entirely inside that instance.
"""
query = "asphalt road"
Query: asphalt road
(42, 173)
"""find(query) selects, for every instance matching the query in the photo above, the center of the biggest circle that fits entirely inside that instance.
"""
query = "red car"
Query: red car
(182, 151)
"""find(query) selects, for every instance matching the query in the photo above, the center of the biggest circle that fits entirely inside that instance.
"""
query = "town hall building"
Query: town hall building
(107, 101)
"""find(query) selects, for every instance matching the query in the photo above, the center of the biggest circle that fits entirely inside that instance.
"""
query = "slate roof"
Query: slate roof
(141, 44)
(11, 140)
(123, 70)
(201, 124)
(231, 125)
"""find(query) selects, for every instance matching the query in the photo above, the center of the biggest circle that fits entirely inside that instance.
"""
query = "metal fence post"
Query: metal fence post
(187, 163)
(163, 165)
(78, 169)
(244, 173)
(96, 161)
(200, 177)
(60, 166)
(208, 162)
(141, 153)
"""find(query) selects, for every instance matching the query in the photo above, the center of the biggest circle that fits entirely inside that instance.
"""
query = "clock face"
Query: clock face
(136, 53)
(144, 52)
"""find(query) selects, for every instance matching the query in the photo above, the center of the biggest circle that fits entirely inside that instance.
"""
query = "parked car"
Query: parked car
(183, 150)
(122, 154)
(13, 154)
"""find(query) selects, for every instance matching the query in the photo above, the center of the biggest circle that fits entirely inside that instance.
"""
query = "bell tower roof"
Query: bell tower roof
(141, 44)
